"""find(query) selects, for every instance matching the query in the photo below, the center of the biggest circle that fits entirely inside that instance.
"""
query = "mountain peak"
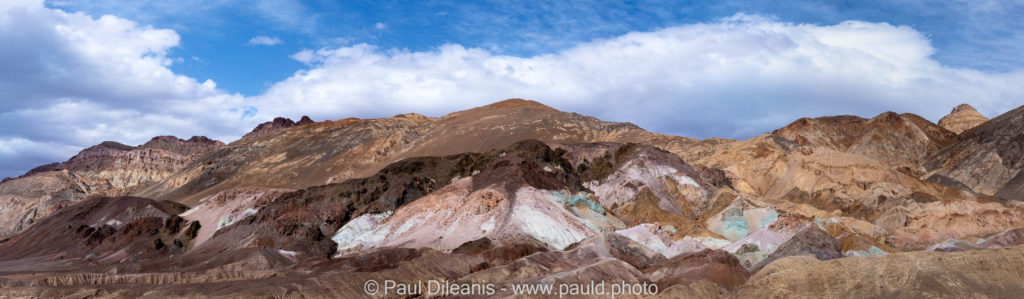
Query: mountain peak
(519, 103)
(279, 123)
(962, 118)
(114, 145)
(964, 107)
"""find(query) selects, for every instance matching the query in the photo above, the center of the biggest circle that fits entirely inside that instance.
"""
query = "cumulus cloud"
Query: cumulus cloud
(264, 41)
(380, 26)
(74, 80)
(734, 78)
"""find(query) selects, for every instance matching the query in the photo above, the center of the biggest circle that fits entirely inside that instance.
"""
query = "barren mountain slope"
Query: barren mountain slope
(99, 231)
(982, 273)
(333, 151)
(527, 198)
(512, 193)
(839, 168)
(497, 195)
(897, 140)
(107, 169)
(986, 159)
(962, 118)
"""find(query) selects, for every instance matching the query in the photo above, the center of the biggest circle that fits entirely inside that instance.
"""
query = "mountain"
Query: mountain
(279, 123)
(863, 174)
(987, 159)
(899, 140)
(517, 192)
(333, 151)
(962, 118)
(106, 169)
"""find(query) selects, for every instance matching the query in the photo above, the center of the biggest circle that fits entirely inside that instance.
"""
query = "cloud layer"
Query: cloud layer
(736, 78)
(75, 80)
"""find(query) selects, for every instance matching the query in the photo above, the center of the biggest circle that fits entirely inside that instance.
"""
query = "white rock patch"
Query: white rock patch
(361, 231)
(546, 229)
(488, 225)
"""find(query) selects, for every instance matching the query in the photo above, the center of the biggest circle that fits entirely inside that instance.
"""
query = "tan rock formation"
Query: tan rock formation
(962, 118)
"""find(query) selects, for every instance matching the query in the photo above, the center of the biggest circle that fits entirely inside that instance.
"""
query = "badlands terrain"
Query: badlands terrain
(518, 193)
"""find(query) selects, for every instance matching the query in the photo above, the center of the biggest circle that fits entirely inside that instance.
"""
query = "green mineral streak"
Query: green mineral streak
(734, 228)
(571, 200)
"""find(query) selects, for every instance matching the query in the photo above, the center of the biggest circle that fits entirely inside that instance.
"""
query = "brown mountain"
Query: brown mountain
(987, 159)
(962, 118)
(333, 151)
(518, 192)
(279, 123)
(106, 169)
(900, 140)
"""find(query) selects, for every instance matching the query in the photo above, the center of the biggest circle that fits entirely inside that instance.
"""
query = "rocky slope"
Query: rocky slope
(985, 273)
(898, 140)
(865, 173)
(986, 159)
(519, 193)
(99, 231)
(333, 151)
(962, 118)
(106, 169)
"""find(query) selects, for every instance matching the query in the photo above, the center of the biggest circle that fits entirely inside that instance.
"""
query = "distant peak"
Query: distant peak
(415, 117)
(962, 118)
(888, 116)
(964, 108)
(279, 123)
(115, 145)
(166, 138)
(519, 103)
(201, 139)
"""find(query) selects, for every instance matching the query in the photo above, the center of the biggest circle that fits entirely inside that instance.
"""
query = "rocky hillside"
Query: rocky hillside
(333, 151)
(987, 159)
(106, 169)
(519, 193)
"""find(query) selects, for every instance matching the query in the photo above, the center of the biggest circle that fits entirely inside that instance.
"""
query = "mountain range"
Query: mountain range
(517, 192)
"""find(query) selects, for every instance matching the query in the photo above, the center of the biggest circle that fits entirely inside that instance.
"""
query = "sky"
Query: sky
(74, 73)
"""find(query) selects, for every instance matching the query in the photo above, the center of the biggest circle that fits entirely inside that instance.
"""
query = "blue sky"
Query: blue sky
(82, 72)
(976, 34)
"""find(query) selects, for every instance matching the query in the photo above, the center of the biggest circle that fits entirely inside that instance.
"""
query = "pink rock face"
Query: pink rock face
(225, 208)
(457, 214)
(657, 238)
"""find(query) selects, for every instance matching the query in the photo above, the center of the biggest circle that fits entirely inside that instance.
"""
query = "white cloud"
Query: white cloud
(380, 26)
(737, 78)
(74, 80)
(264, 41)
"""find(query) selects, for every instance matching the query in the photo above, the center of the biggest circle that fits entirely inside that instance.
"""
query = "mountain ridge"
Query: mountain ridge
(516, 192)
